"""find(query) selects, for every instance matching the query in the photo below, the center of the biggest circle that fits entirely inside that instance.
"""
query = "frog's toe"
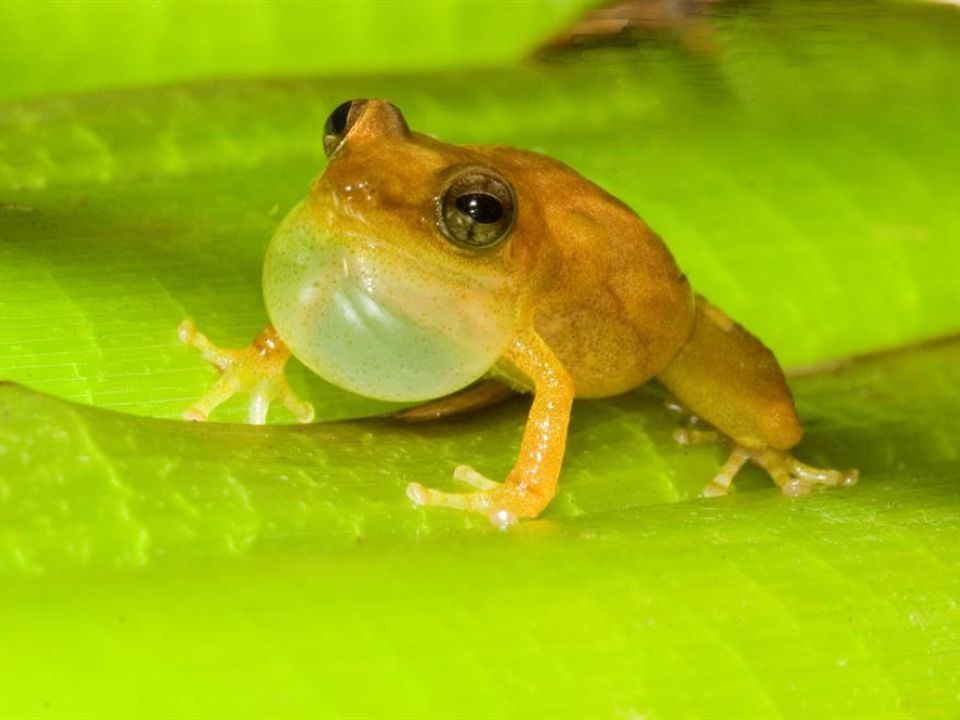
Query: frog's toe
(466, 474)
(301, 409)
(195, 414)
(692, 436)
(796, 478)
(714, 489)
(267, 387)
(220, 358)
(720, 484)
(796, 487)
(502, 507)
(220, 392)
(423, 496)
(821, 476)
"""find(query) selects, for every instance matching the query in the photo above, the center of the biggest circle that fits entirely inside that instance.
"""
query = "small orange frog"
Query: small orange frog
(414, 269)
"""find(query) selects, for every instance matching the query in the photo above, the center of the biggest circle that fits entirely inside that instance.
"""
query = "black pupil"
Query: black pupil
(337, 122)
(482, 208)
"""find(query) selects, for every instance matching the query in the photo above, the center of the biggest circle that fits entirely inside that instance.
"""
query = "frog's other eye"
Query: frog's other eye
(339, 123)
(477, 210)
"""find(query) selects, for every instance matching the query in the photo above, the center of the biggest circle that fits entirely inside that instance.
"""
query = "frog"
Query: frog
(451, 276)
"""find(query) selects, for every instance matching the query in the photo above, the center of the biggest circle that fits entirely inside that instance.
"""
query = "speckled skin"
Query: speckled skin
(602, 288)
(606, 294)
(593, 301)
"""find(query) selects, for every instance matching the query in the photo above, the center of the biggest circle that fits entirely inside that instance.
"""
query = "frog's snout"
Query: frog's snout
(357, 120)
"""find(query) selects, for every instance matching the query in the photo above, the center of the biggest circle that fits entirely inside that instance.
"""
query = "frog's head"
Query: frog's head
(397, 277)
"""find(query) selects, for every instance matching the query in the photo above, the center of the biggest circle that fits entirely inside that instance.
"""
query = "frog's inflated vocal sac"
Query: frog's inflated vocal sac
(415, 268)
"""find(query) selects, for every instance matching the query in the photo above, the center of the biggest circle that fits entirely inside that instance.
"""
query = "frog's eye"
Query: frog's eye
(477, 210)
(339, 123)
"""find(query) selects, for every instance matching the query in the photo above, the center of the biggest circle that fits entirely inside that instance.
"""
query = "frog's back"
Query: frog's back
(609, 299)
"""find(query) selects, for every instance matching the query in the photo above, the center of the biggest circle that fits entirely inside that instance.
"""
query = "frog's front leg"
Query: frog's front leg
(256, 369)
(532, 483)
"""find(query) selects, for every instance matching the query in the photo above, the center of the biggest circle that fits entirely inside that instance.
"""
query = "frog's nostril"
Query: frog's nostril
(398, 122)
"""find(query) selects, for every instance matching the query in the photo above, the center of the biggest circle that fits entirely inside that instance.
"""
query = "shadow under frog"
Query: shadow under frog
(414, 269)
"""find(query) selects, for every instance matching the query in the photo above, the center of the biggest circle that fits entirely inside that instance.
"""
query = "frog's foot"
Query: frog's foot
(256, 369)
(792, 476)
(503, 503)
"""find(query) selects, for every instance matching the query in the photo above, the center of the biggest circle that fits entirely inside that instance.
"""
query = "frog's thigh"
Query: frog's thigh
(481, 395)
(730, 379)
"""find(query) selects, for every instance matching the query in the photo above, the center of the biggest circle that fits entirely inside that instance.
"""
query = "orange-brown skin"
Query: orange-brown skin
(597, 302)
(726, 376)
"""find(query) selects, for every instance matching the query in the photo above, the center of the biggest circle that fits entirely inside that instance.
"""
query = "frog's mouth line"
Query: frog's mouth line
(395, 252)
(374, 319)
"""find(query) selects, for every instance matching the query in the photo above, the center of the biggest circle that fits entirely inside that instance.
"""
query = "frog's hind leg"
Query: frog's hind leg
(256, 369)
(728, 378)
(480, 395)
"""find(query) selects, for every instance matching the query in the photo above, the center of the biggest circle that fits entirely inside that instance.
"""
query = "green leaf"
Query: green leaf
(141, 42)
(282, 571)
(803, 174)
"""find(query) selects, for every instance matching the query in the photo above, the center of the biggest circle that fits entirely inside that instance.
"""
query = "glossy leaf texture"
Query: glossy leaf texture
(82, 45)
(802, 170)
(240, 571)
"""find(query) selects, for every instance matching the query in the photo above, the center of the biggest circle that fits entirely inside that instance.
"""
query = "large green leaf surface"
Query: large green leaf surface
(234, 571)
(72, 45)
(804, 174)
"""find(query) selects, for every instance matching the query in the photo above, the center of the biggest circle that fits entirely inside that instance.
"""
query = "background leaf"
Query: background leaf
(57, 47)
(795, 194)
(803, 173)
